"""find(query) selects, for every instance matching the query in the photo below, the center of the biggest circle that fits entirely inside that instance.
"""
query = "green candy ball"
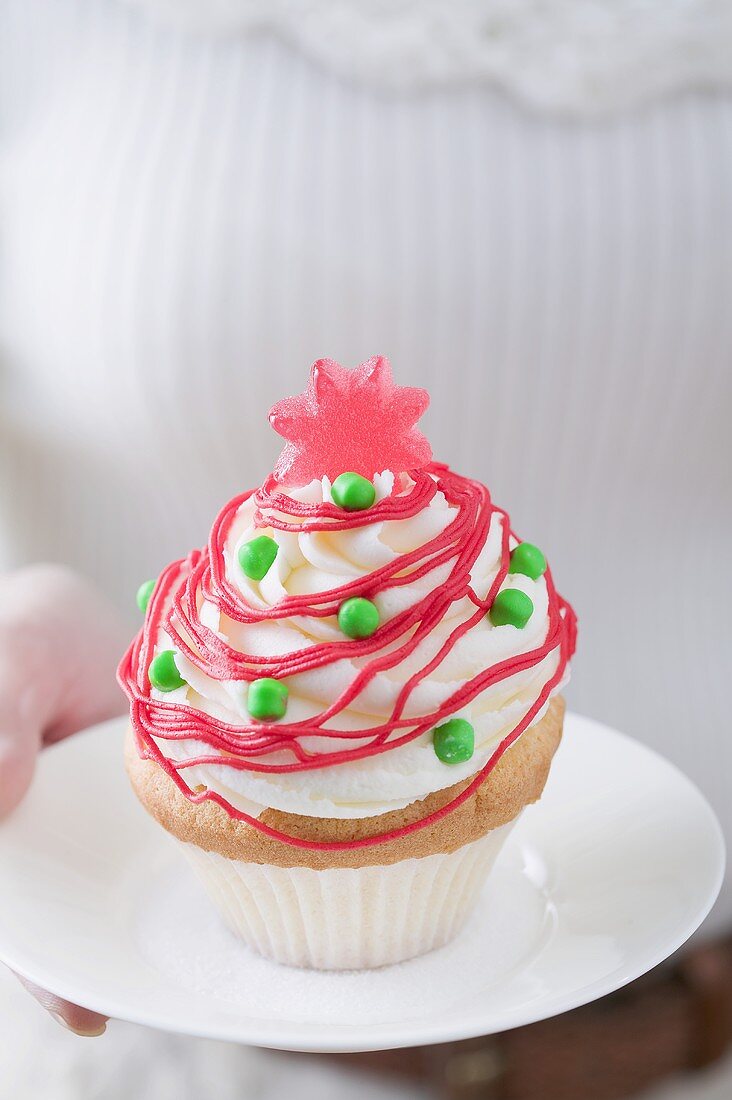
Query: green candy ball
(144, 592)
(454, 741)
(163, 672)
(358, 618)
(256, 557)
(527, 559)
(511, 607)
(267, 699)
(352, 492)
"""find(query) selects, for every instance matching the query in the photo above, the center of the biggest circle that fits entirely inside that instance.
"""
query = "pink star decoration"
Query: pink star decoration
(350, 420)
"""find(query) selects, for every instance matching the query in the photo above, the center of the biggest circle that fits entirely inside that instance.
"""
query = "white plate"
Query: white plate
(608, 875)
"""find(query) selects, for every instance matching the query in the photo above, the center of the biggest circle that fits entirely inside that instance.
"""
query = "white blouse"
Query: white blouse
(190, 218)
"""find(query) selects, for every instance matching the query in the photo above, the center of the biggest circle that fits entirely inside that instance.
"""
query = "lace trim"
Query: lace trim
(579, 56)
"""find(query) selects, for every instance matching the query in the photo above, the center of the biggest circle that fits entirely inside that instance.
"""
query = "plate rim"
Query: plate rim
(350, 1038)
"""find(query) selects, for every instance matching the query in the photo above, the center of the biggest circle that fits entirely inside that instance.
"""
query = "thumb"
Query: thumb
(20, 739)
(17, 760)
(59, 642)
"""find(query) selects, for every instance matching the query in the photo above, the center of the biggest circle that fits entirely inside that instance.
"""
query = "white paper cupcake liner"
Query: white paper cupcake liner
(348, 918)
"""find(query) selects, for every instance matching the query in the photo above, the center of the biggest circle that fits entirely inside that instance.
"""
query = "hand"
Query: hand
(60, 642)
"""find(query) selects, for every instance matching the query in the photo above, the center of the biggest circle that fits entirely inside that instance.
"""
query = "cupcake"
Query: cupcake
(341, 706)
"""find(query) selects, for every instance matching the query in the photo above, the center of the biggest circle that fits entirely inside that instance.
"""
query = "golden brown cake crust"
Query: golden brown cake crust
(517, 780)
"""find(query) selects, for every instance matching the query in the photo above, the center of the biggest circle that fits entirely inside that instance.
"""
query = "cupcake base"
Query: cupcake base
(348, 918)
(331, 905)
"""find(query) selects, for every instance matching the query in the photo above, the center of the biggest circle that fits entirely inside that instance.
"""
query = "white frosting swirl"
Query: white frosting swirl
(317, 561)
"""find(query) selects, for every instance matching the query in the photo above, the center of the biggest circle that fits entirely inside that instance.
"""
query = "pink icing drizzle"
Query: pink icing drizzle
(251, 746)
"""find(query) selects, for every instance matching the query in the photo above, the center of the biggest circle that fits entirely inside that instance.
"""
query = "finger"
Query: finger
(17, 760)
(28, 690)
(82, 1021)
(59, 645)
(20, 734)
(67, 638)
